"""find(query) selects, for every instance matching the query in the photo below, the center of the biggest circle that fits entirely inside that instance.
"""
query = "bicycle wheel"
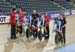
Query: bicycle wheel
(28, 33)
(57, 38)
(40, 35)
(20, 29)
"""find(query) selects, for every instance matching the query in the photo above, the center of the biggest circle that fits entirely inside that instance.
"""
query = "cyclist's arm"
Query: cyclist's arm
(59, 28)
(43, 21)
(38, 23)
(30, 21)
(54, 26)
(17, 17)
(25, 19)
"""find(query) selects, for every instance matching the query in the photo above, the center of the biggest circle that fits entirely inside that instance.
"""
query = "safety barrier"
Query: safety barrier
(4, 19)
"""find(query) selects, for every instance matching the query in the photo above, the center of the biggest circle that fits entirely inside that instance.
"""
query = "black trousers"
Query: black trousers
(47, 34)
(63, 31)
(13, 31)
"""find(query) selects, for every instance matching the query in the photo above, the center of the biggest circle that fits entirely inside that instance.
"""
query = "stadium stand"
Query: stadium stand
(5, 7)
(29, 5)
(39, 5)
(65, 4)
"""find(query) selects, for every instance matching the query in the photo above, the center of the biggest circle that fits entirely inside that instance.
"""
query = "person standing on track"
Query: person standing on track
(47, 20)
(13, 23)
(63, 20)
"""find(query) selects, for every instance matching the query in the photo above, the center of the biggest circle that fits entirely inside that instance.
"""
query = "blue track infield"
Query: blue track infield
(69, 48)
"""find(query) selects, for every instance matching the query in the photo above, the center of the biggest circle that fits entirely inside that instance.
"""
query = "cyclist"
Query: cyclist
(35, 18)
(58, 27)
(28, 20)
(20, 21)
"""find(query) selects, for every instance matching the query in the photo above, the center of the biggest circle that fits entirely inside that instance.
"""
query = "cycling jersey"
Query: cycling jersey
(21, 16)
(43, 21)
(17, 17)
(35, 19)
(47, 20)
(38, 23)
(58, 25)
(28, 19)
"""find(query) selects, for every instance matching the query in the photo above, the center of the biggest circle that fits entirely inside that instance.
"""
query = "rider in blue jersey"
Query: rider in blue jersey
(43, 21)
(28, 19)
(57, 24)
(58, 28)
(17, 17)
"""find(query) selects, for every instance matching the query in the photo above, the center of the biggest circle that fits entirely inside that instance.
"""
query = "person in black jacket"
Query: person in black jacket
(63, 20)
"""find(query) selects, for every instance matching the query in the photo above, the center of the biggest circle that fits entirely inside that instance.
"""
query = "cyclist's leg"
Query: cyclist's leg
(61, 36)
(23, 29)
(45, 33)
(17, 27)
(35, 29)
(35, 33)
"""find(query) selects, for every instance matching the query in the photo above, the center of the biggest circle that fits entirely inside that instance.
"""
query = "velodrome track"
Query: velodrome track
(23, 45)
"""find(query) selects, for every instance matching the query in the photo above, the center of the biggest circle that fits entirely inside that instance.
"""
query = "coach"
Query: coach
(13, 23)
